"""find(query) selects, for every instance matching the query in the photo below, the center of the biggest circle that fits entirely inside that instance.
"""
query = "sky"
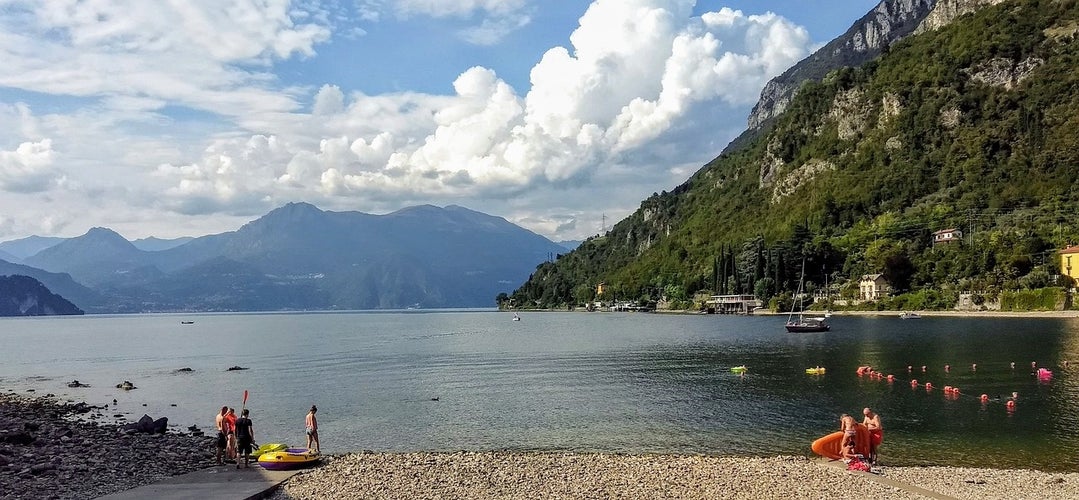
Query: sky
(174, 118)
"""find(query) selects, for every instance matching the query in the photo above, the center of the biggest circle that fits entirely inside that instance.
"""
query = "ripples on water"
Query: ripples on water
(574, 381)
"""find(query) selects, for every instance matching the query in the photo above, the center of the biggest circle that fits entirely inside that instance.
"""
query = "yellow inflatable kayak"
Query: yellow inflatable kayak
(815, 371)
(288, 459)
(266, 448)
(739, 369)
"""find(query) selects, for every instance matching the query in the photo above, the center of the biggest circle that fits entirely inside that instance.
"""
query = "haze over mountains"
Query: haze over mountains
(296, 257)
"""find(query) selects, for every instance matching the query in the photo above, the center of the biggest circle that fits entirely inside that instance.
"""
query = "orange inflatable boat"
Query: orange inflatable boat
(831, 445)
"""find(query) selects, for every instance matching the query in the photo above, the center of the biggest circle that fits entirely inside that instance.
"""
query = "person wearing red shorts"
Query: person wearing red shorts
(876, 432)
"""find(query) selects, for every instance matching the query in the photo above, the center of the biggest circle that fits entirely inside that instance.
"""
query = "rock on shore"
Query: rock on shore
(45, 453)
(509, 475)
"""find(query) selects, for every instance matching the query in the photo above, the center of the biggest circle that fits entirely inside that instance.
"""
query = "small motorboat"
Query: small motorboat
(288, 459)
(516, 317)
(910, 315)
(815, 371)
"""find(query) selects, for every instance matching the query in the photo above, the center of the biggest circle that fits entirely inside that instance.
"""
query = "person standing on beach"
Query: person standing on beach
(311, 427)
(222, 434)
(848, 426)
(876, 433)
(245, 435)
(230, 428)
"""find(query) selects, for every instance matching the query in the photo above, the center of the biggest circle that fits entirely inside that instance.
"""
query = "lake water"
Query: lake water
(611, 382)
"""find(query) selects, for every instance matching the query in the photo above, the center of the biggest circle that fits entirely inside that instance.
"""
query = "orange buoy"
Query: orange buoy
(928, 386)
(955, 390)
(947, 388)
(1010, 404)
(914, 383)
(985, 398)
(891, 378)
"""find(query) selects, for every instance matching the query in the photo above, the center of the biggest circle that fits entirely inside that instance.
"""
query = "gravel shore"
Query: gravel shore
(511, 475)
(46, 452)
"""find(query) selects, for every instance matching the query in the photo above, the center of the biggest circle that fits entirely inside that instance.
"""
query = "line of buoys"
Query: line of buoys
(950, 392)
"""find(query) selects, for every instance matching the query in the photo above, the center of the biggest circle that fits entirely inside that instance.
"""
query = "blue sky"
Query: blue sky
(167, 119)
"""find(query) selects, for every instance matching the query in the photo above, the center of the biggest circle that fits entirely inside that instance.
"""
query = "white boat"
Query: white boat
(910, 315)
(803, 324)
(516, 317)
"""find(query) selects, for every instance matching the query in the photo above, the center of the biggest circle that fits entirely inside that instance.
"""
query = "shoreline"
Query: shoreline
(923, 313)
(44, 447)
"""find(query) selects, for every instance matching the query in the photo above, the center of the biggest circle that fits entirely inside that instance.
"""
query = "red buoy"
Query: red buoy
(985, 398)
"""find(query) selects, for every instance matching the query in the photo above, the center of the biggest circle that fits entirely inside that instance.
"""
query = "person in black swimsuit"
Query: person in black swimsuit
(245, 435)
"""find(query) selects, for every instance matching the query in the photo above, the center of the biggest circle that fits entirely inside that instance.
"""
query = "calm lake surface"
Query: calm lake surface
(611, 382)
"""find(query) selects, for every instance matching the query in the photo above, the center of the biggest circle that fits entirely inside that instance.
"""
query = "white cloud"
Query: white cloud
(640, 95)
(459, 8)
(200, 54)
(29, 168)
(635, 70)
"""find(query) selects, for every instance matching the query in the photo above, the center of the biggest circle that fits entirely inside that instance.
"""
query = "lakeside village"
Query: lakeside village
(869, 292)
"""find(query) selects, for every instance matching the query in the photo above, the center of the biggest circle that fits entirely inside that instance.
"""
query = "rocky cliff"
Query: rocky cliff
(947, 10)
(888, 22)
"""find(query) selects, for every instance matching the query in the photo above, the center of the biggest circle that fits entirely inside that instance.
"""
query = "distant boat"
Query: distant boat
(187, 322)
(516, 317)
(803, 324)
(910, 315)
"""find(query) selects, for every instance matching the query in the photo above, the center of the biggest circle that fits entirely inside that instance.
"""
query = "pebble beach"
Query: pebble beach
(512, 475)
(46, 451)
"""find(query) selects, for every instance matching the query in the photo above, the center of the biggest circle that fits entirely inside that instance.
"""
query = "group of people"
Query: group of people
(849, 426)
(236, 436)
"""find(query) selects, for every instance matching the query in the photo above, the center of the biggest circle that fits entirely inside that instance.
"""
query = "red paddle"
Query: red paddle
(245, 399)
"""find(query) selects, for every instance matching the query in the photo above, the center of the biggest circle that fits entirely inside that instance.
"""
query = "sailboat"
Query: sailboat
(516, 317)
(805, 324)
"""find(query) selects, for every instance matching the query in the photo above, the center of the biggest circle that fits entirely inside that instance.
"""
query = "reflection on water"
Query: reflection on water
(576, 381)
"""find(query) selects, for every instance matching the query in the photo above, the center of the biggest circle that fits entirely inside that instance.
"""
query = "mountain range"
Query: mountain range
(961, 118)
(296, 257)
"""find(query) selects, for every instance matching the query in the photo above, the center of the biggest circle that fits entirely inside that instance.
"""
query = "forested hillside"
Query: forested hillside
(973, 126)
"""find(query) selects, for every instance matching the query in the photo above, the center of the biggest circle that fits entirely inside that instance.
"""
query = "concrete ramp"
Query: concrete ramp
(223, 481)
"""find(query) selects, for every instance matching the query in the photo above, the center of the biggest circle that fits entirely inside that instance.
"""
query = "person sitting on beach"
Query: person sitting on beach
(311, 428)
(876, 433)
(230, 432)
(222, 434)
(848, 451)
(245, 435)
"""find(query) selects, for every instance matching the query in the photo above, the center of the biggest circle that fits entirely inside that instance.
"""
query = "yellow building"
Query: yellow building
(1069, 262)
